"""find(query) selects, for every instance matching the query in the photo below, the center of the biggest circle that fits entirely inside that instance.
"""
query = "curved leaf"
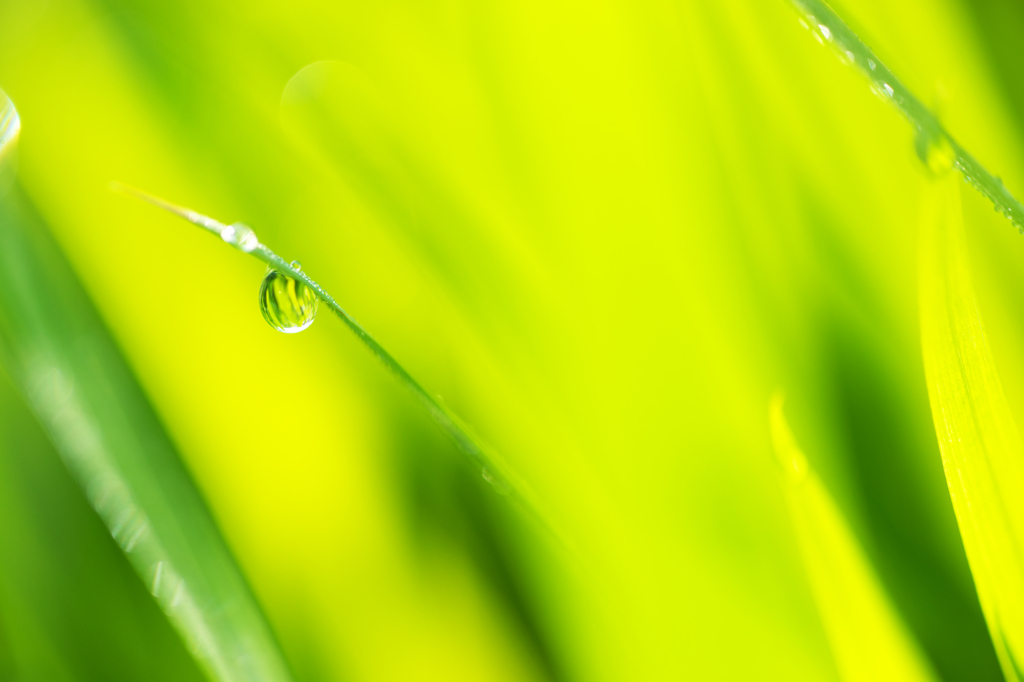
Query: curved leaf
(982, 452)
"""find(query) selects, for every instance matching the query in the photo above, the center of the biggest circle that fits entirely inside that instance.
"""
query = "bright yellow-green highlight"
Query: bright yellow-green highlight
(982, 452)
(10, 126)
(869, 641)
(287, 304)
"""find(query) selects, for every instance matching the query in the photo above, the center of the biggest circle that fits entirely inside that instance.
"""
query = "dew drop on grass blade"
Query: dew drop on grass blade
(287, 304)
(869, 640)
(829, 29)
(295, 313)
(982, 452)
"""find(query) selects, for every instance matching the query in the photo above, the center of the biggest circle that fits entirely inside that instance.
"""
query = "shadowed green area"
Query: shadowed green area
(881, 433)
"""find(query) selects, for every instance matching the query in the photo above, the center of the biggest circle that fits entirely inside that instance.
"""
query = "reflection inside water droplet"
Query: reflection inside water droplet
(10, 127)
(287, 304)
(883, 90)
(936, 151)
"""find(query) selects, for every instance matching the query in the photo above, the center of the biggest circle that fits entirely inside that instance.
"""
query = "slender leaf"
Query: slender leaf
(494, 468)
(71, 607)
(982, 452)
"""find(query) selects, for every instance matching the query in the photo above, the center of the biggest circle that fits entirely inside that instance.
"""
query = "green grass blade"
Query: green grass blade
(495, 469)
(934, 144)
(868, 638)
(63, 360)
(95, 622)
(982, 452)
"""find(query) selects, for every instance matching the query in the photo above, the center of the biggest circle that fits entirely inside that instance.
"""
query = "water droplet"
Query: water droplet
(825, 33)
(10, 127)
(240, 236)
(296, 265)
(287, 304)
(871, 64)
(883, 90)
(935, 149)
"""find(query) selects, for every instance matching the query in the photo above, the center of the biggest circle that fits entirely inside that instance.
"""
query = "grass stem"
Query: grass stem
(493, 467)
(934, 145)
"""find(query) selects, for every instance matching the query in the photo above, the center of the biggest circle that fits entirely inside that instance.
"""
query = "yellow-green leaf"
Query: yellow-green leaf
(868, 638)
(982, 452)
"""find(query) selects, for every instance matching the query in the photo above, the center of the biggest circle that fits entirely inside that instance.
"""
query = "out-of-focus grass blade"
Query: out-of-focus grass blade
(93, 622)
(982, 452)
(77, 383)
(869, 640)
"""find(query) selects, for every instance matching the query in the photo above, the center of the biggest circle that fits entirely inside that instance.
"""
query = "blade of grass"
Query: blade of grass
(95, 622)
(63, 360)
(982, 452)
(934, 144)
(492, 465)
(868, 638)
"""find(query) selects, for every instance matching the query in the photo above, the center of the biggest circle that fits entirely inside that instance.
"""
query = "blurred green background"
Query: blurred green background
(604, 232)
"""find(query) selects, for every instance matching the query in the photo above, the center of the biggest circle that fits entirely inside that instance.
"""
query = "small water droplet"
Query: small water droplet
(296, 265)
(882, 90)
(288, 304)
(825, 33)
(935, 149)
(10, 127)
(871, 64)
(240, 236)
